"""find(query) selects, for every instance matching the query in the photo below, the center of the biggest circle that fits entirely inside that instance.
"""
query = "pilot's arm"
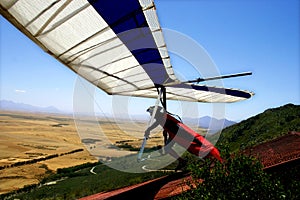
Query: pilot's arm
(150, 128)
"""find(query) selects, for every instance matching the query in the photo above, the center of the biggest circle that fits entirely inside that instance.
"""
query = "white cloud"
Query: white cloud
(20, 91)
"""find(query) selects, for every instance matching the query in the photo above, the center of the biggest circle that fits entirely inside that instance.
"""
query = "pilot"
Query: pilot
(179, 133)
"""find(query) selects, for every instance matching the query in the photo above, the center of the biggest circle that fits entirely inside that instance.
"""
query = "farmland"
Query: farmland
(34, 145)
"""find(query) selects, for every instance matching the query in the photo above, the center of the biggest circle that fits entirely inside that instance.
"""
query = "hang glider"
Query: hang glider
(116, 45)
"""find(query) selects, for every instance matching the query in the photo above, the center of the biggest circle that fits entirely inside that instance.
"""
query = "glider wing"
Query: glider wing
(116, 45)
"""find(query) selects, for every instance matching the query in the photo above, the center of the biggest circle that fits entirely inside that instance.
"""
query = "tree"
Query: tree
(238, 177)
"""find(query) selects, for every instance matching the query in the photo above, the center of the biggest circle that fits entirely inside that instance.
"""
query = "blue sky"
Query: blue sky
(257, 36)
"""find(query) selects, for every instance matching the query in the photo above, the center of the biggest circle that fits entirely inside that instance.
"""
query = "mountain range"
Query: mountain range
(214, 124)
(205, 122)
(13, 106)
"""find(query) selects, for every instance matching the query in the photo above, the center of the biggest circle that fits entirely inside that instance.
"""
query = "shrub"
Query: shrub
(238, 177)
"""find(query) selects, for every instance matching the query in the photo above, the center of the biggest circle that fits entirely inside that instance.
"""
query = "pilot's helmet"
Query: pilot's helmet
(151, 109)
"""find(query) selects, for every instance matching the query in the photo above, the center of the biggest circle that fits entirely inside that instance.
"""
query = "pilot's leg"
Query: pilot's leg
(168, 149)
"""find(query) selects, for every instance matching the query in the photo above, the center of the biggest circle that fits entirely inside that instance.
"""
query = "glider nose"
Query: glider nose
(215, 153)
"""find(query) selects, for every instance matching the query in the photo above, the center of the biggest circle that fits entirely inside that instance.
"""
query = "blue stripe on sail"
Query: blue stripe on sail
(231, 92)
(124, 17)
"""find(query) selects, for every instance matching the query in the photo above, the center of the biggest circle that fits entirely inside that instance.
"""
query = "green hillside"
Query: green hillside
(262, 127)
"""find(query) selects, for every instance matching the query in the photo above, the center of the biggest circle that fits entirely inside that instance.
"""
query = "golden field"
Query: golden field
(28, 136)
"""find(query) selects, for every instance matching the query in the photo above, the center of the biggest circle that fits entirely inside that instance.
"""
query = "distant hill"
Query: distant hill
(214, 124)
(211, 124)
(268, 125)
(13, 106)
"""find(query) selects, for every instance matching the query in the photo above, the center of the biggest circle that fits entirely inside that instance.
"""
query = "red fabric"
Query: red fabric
(206, 149)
